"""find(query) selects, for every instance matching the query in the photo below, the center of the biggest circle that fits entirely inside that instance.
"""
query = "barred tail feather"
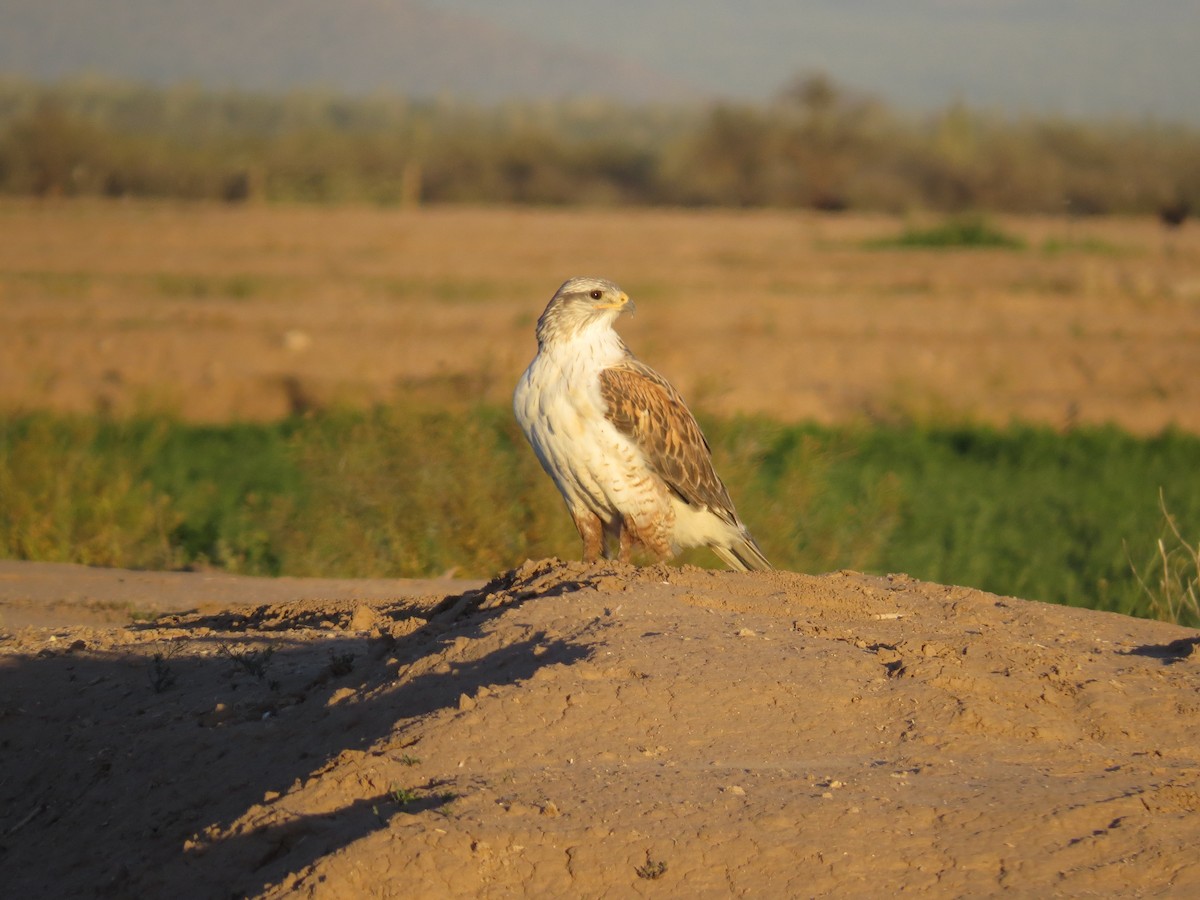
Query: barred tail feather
(744, 555)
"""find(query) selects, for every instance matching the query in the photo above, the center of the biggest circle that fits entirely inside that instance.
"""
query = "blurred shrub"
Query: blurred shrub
(815, 145)
(409, 492)
(68, 495)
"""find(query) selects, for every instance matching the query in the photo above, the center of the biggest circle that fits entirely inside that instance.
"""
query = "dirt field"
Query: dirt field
(589, 731)
(574, 731)
(218, 312)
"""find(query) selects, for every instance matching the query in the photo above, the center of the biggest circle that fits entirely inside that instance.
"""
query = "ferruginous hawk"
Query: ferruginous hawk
(616, 437)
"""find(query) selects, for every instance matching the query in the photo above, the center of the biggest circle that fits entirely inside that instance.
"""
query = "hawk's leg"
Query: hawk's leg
(612, 537)
(625, 541)
(592, 532)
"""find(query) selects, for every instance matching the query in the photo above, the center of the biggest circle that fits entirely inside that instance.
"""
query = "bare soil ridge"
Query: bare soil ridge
(593, 730)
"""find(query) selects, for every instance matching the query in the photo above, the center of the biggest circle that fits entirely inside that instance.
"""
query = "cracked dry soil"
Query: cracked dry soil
(586, 731)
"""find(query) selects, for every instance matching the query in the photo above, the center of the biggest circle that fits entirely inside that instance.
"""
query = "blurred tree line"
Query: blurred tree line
(815, 145)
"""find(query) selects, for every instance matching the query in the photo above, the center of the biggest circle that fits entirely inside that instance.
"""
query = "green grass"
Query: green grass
(961, 232)
(1069, 518)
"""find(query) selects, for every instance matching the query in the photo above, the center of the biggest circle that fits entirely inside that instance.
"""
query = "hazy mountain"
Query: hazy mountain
(348, 45)
(1126, 57)
(1129, 57)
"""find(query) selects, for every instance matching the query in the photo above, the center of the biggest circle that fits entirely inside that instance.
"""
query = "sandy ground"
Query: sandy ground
(568, 730)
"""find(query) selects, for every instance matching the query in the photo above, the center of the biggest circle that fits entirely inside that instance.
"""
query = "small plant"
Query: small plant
(407, 760)
(652, 869)
(446, 804)
(402, 796)
(340, 664)
(406, 797)
(162, 676)
(254, 662)
(1171, 581)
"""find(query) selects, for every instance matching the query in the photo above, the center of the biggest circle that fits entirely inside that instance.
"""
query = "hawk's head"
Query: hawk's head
(581, 303)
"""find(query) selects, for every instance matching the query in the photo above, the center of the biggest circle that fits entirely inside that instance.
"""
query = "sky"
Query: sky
(1133, 59)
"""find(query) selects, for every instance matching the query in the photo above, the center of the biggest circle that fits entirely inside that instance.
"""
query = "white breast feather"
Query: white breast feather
(559, 406)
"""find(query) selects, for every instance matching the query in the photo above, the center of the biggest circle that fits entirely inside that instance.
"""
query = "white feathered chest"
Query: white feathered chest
(559, 406)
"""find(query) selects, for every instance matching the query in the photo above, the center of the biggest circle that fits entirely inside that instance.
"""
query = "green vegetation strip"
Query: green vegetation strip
(954, 234)
(1072, 518)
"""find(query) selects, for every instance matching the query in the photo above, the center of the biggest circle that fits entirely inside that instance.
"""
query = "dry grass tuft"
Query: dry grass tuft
(1171, 580)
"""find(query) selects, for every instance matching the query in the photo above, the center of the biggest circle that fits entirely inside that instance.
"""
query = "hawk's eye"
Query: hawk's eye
(596, 295)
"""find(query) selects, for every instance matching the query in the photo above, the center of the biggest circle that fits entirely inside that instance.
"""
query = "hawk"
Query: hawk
(623, 449)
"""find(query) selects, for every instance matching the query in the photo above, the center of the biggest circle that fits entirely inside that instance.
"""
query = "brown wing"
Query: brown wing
(643, 406)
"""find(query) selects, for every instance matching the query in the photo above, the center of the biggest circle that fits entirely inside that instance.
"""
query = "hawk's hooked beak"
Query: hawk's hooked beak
(622, 303)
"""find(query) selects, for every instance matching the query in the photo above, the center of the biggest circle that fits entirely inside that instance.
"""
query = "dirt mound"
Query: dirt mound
(572, 730)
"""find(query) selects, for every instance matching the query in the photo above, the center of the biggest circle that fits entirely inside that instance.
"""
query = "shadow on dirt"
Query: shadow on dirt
(1170, 653)
(126, 767)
